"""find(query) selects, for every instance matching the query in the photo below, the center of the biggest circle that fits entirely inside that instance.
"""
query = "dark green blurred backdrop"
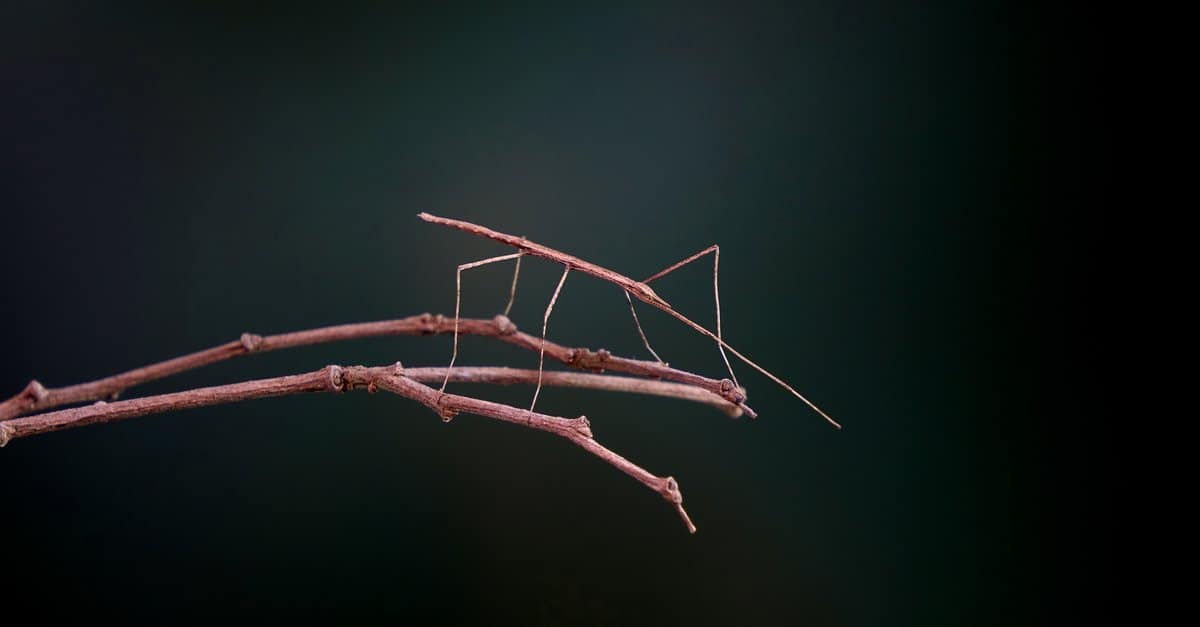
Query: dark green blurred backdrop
(904, 200)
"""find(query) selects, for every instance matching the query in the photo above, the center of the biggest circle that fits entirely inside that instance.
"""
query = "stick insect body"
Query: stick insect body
(637, 289)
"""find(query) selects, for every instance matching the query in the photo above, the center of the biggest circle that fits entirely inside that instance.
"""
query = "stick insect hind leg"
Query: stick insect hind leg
(545, 324)
(458, 301)
(715, 250)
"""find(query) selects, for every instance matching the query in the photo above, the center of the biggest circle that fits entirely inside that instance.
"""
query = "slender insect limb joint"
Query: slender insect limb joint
(642, 333)
(545, 323)
(716, 253)
(458, 302)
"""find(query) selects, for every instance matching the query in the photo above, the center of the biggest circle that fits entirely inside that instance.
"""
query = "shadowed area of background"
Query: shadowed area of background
(902, 199)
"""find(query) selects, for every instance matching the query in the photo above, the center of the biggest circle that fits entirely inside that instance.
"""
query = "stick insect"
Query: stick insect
(636, 289)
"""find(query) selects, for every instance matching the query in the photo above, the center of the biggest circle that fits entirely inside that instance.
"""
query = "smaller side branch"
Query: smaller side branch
(102, 411)
(36, 397)
(584, 380)
(338, 379)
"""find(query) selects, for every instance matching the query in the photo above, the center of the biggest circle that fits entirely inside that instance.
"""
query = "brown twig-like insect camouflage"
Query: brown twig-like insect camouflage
(637, 289)
(31, 411)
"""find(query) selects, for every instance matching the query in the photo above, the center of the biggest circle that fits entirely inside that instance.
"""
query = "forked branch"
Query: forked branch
(658, 378)
(36, 397)
(662, 381)
(393, 379)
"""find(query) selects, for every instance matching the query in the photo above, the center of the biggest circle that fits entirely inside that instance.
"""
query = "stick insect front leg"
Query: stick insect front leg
(458, 301)
(545, 324)
(716, 253)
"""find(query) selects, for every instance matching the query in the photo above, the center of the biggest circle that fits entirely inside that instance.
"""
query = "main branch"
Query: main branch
(652, 378)
(36, 397)
(393, 379)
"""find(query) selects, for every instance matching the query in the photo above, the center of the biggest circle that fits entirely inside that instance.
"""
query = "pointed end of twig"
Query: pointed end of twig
(736, 396)
(427, 217)
(671, 493)
(686, 519)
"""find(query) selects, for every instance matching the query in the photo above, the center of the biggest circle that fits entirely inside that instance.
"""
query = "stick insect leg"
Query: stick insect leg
(458, 302)
(716, 252)
(545, 323)
(512, 294)
(638, 324)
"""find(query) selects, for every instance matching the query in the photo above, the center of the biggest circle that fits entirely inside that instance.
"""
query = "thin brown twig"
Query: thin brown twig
(337, 379)
(583, 380)
(36, 397)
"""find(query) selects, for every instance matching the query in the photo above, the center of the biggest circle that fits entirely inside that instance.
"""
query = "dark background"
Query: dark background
(907, 199)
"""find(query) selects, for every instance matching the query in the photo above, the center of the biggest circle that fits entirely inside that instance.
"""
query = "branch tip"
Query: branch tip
(687, 520)
(658, 377)
(675, 497)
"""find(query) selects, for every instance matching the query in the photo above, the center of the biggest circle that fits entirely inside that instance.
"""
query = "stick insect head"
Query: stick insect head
(642, 292)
